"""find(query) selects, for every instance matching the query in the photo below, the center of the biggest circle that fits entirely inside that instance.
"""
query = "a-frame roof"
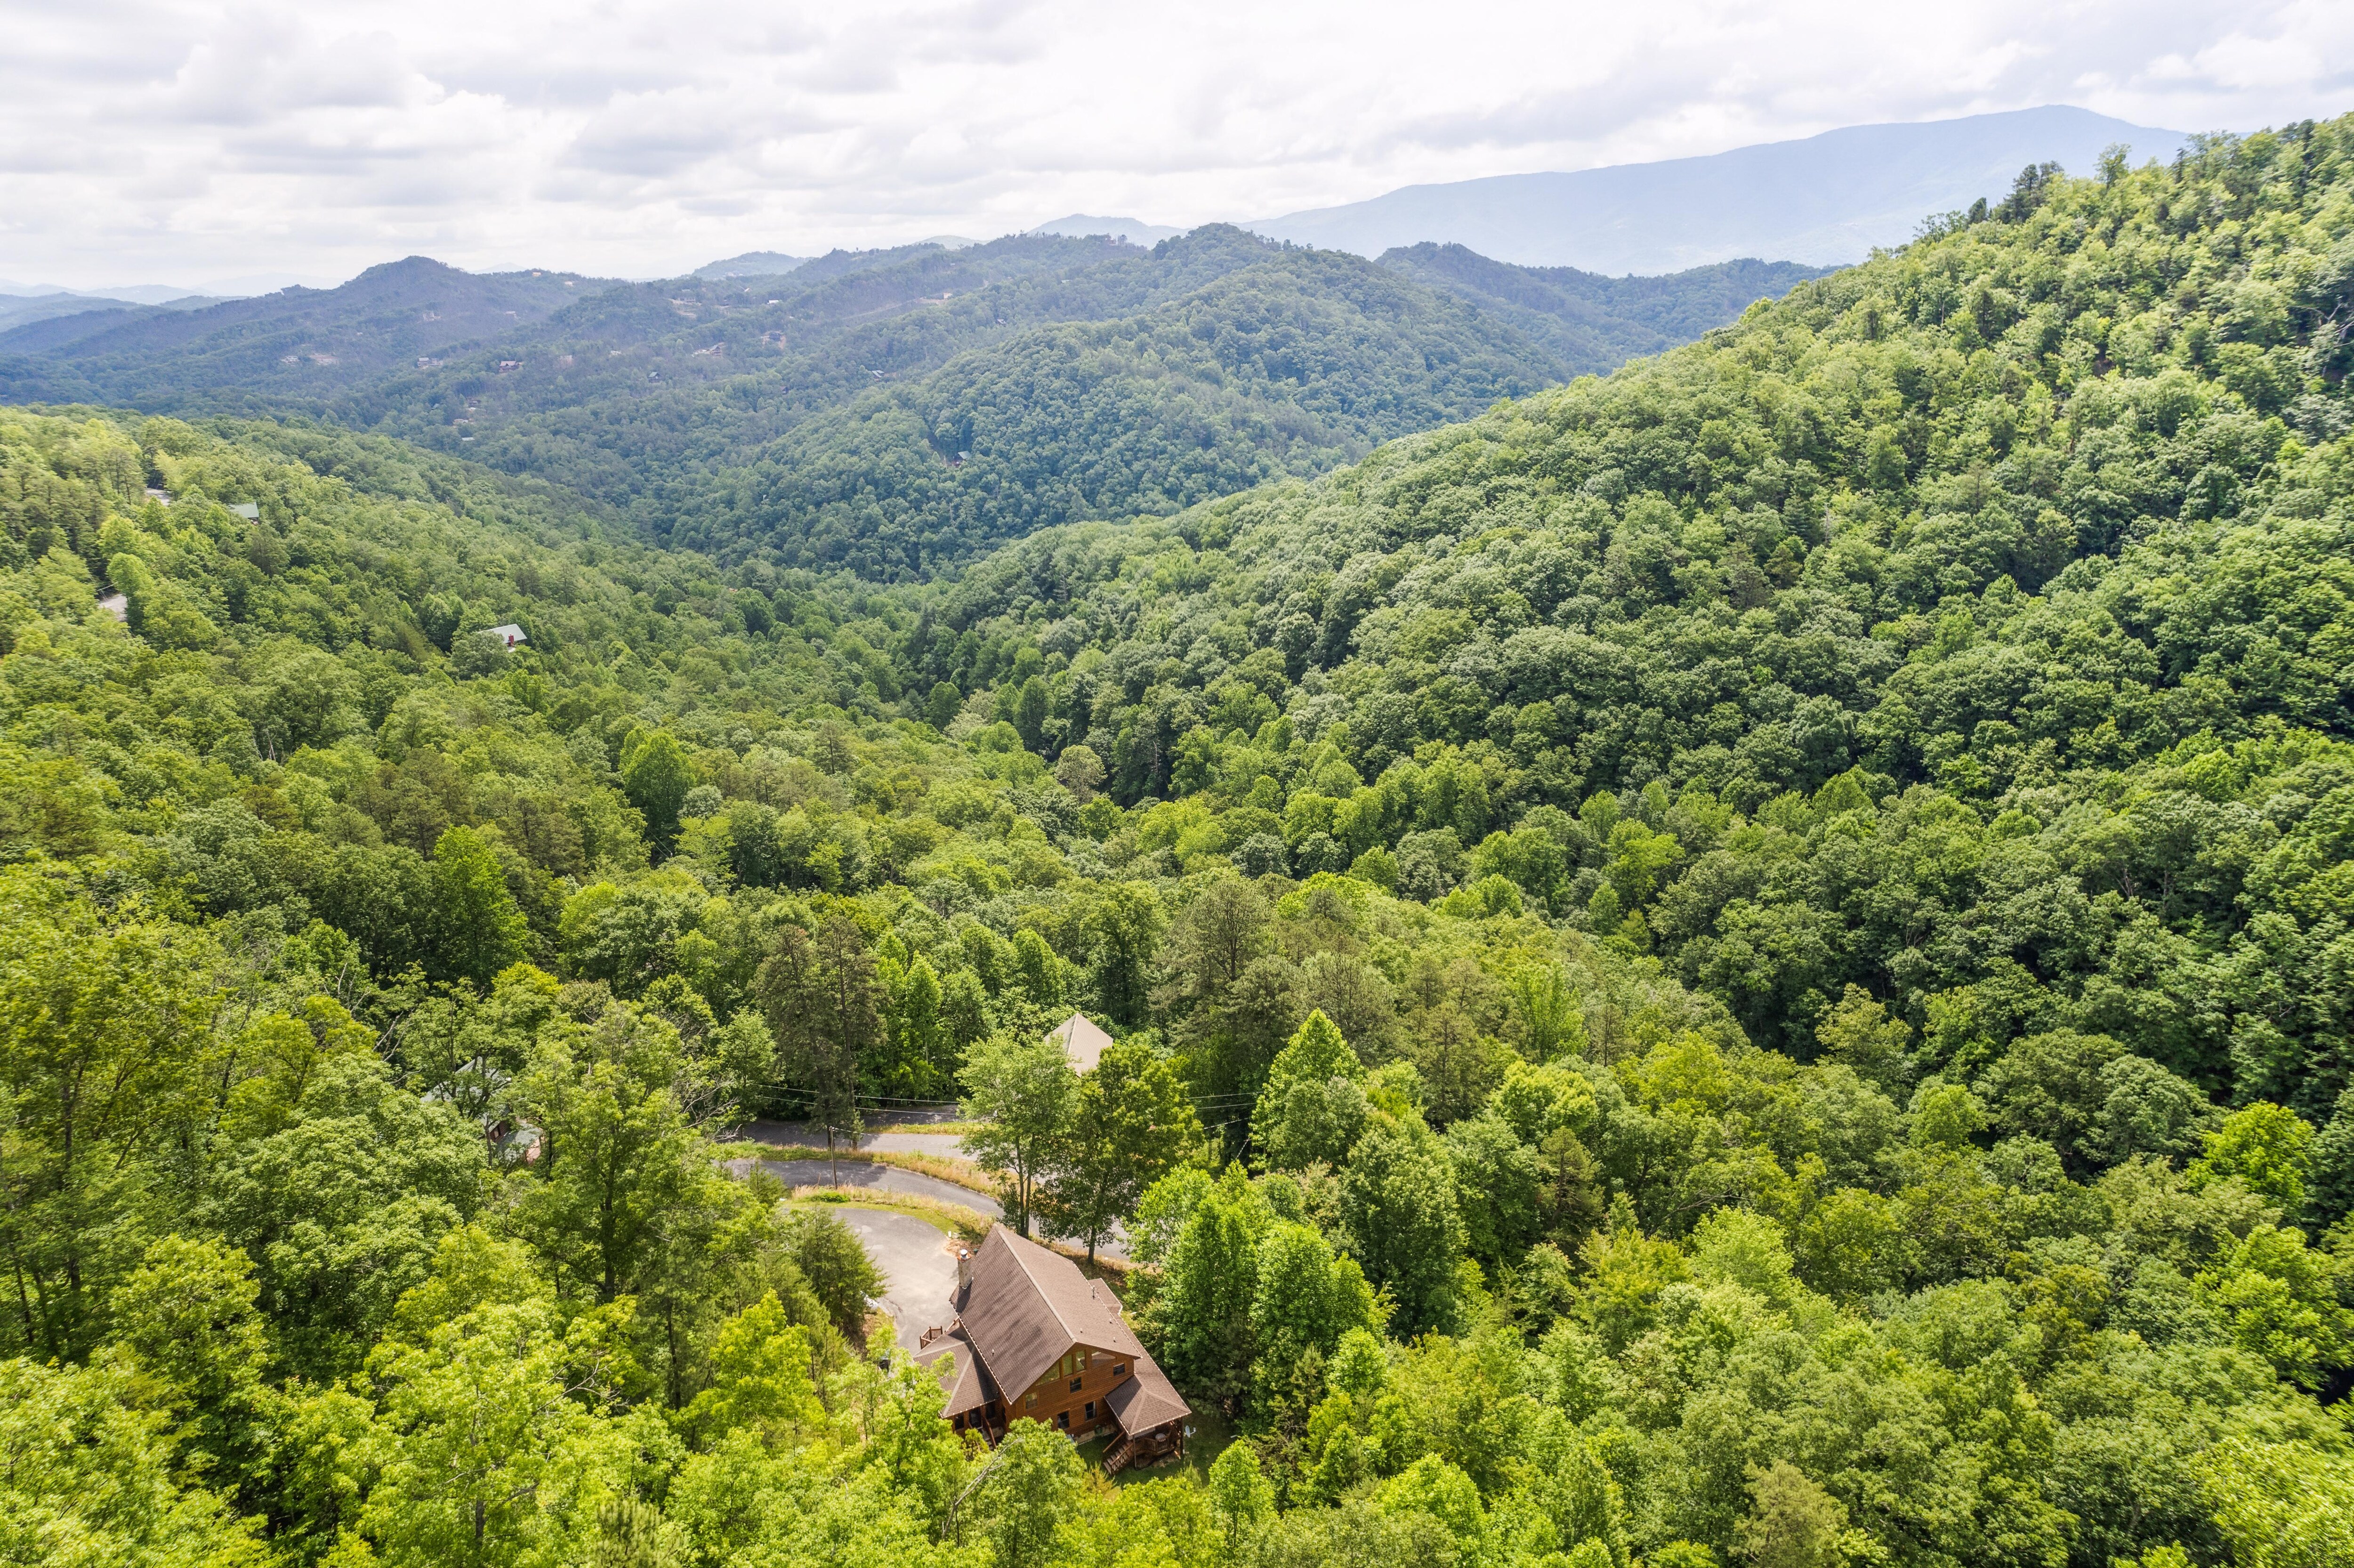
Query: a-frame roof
(1083, 1042)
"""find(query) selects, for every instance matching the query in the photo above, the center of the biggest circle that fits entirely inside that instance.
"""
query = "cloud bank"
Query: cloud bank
(147, 141)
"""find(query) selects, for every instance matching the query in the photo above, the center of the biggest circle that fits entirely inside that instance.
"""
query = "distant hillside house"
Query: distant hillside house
(510, 634)
(1081, 1041)
(1027, 1320)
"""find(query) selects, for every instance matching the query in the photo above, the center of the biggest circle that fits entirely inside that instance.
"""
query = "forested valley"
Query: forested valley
(897, 411)
(1743, 961)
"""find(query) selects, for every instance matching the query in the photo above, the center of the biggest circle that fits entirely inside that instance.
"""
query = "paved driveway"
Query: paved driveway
(797, 1135)
(820, 1172)
(884, 1178)
(919, 1265)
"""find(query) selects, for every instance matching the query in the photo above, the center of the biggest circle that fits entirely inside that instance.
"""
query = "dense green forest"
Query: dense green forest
(1290, 365)
(1592, 325)
(893, 410)
(237, 353)
(1741, 962)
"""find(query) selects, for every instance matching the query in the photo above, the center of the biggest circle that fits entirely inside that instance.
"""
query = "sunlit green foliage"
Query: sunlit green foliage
(1740, 963)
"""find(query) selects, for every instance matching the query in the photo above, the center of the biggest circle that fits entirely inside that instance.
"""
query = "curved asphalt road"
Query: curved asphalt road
(796, 1135)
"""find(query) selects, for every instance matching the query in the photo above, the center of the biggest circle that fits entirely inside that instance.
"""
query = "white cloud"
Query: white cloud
(178, 141)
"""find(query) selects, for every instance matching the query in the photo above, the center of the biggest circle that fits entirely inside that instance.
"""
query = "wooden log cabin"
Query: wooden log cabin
(1026, 1320)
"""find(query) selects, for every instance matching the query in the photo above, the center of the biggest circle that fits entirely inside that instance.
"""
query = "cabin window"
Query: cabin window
(1119, 1368)
(1028, 1400)
(1091, 1410)
(1062, 1421)
(1075, 1383)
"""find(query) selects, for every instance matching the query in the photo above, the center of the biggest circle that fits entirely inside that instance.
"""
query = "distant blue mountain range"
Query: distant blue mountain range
(751, 264)
(1826, 200)
(1079, 225)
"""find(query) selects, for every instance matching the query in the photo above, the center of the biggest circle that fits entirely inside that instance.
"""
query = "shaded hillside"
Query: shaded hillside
(1592, 325)
(1970, 627)
(683, 401)
(1296, 362)
(900, 409)
(24, 310)
(298, 347)
(641, 394)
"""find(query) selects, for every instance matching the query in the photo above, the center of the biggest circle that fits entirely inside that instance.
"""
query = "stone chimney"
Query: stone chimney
(964, 1272)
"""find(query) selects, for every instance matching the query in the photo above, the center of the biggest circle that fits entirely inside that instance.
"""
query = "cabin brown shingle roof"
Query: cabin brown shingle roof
(973, 1391)
(1034, 1337)
(1026, 1307)
(1148, 1400)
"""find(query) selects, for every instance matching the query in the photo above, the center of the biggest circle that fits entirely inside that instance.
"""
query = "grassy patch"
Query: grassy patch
(949, 1219)
(1113, 1275)
(962, 1172)
(1213, 1435)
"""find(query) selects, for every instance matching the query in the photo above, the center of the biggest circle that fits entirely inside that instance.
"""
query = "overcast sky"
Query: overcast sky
(145, 141)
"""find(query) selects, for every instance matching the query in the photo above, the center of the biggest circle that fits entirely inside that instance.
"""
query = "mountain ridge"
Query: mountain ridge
(752, 264)
(1827, 199)
(1136, 231)
(882, 408)
(1594, 324)
(291, 343)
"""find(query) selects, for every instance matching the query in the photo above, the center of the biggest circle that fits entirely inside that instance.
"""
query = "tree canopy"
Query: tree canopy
(1743, 961)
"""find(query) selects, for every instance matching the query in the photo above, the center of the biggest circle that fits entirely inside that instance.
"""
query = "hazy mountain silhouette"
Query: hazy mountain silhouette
(1136, 231)
(1826, 200)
